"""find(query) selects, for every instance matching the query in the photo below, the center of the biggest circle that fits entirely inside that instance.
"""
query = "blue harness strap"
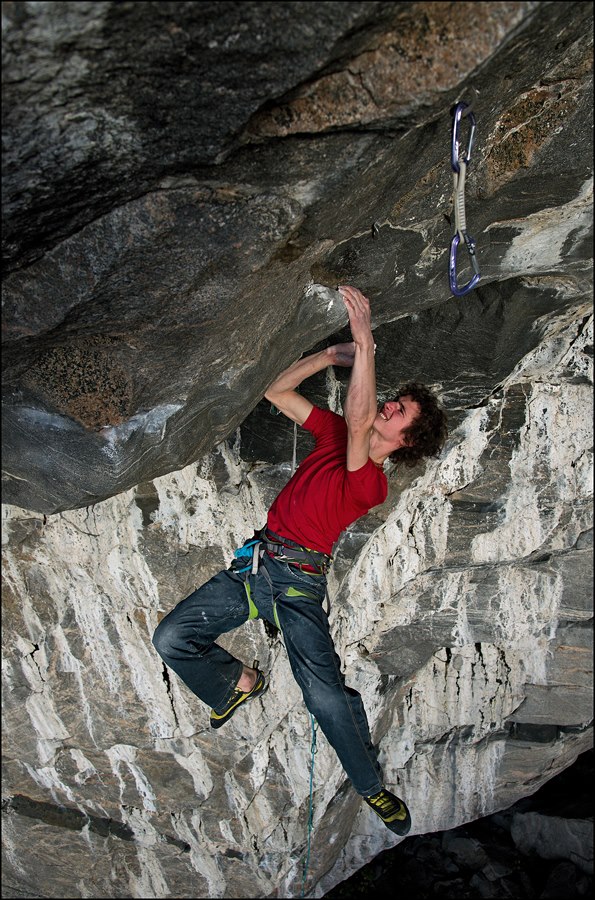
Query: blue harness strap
(246, 560)
(245, 553)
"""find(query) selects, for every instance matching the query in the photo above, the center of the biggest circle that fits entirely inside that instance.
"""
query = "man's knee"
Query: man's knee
(323, 698)
(165, 638)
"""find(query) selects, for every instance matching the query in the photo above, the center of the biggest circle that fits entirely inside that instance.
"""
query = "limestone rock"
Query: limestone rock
(182, 197)
(481, 859)
(553, 838)
(151, 330)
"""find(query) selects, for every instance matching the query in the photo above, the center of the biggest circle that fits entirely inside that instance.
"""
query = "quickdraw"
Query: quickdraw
(459, 162)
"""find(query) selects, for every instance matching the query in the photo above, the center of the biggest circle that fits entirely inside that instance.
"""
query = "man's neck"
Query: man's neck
(378, 450)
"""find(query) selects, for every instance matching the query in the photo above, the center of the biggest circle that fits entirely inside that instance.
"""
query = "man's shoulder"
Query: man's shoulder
(324, 420)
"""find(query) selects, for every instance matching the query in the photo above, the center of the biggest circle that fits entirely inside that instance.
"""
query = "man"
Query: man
(280, 574)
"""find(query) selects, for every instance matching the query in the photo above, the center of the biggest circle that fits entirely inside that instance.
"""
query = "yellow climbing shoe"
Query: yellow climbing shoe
(391, 810)
(237, 698)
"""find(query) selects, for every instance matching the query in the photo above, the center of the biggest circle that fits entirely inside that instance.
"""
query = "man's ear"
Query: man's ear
(405, 441)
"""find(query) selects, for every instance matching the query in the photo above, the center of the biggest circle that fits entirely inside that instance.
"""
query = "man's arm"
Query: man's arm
(282, 393)
(361, 401)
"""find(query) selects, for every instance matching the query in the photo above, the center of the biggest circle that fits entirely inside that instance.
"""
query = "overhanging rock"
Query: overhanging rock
(186, 185)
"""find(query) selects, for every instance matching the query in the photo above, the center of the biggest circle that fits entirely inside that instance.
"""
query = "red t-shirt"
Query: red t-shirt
(323, 497)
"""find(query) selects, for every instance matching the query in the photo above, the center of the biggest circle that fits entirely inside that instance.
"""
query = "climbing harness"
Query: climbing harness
(459, 162)
(313, 751)
(248, 556)
(311, 561)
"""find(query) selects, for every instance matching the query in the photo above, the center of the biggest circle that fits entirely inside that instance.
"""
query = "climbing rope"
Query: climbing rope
(294, 457)
(313, 722)
(314, 727)
(459, 163)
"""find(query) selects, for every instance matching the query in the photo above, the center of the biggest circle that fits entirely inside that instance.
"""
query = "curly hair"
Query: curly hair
(427, 434)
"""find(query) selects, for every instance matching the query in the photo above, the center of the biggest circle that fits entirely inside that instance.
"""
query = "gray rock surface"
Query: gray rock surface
(184, 187)
(177, 270)
(553, 838)
(496, 856)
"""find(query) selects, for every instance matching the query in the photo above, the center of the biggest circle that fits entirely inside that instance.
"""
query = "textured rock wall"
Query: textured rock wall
(151, 235)
(146, 334)
(461, 610)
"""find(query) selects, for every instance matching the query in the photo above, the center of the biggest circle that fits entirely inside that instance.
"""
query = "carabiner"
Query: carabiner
(461, 110)
(452, 268)
(459, 163)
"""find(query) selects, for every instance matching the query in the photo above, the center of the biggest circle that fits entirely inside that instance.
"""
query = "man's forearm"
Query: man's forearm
(293, 376)
(361, 401)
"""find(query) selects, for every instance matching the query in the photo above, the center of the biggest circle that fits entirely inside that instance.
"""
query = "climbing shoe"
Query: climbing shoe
(391, 810)
(237, 698)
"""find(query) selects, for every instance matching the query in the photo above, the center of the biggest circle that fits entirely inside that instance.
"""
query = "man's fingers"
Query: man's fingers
(348, 291)
(354, 299)
(354, 295)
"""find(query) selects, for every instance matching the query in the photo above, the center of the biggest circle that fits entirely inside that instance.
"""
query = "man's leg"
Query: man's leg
(185, 639)
(316, 667)
(338, 709)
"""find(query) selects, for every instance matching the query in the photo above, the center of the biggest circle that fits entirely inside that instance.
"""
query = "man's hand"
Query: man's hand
(341, 354)
(358, 309)
(357, 354)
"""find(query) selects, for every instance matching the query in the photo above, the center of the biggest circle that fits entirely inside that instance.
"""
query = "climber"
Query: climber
(280, 573)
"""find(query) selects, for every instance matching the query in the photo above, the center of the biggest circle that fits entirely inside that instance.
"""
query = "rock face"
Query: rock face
(184, 186)
(542, 846)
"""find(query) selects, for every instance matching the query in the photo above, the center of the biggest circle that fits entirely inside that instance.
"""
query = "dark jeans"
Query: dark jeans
(185, 639)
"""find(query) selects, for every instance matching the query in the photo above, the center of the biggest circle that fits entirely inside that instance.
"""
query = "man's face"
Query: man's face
(394, 418)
